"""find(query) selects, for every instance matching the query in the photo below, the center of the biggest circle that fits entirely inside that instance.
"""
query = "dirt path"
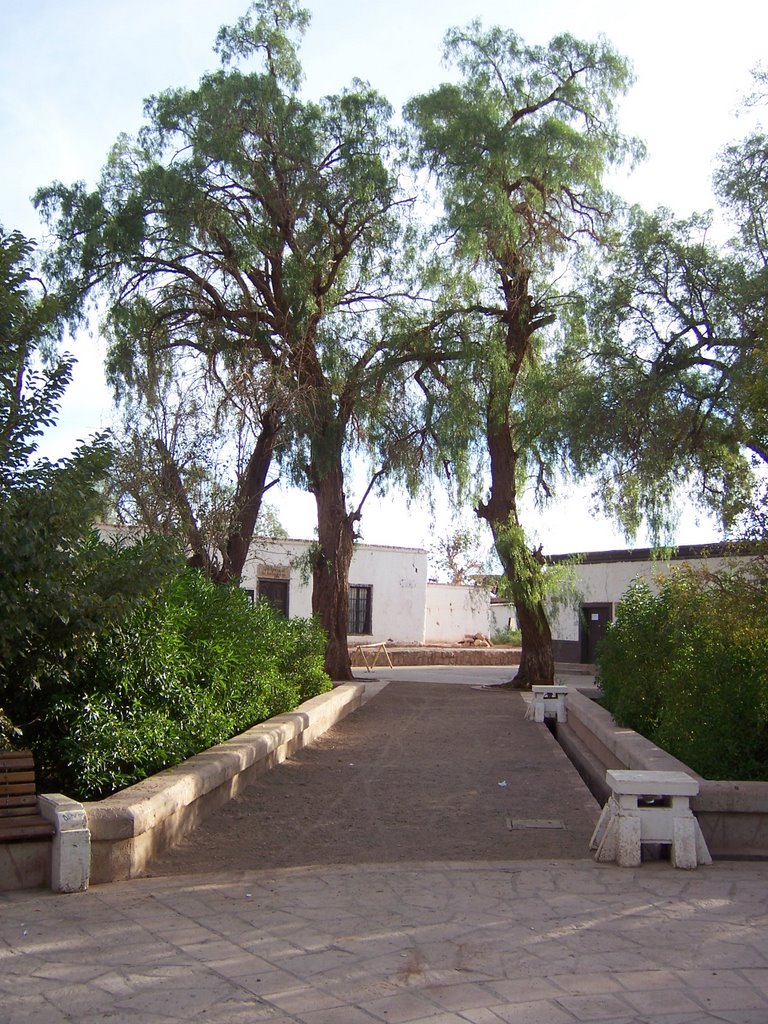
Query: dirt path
(415, 775)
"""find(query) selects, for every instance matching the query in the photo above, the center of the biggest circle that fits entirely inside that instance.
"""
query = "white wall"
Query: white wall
(607, 582)
(398, 577)
(399, 580)
(502, 617)
(455, 612)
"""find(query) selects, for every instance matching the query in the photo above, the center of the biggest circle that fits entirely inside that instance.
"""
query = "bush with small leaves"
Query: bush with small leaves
(193, 666)
(687, 666)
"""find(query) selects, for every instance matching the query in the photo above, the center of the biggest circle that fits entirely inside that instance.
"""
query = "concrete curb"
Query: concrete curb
(132, 826)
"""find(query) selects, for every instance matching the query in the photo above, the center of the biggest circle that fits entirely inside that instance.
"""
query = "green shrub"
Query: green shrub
(509, 636)
(190, 668)
(688, 668)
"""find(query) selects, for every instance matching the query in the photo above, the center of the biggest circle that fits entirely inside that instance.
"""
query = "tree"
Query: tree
(459, 557)
(517, 148)
(679, 351)
(190, 467)
(60, 584)
(250, 235)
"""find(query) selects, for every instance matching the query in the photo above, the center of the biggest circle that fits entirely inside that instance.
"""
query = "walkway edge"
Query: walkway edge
(129, 828)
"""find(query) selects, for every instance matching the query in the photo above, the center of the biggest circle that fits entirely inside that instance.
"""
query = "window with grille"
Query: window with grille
(360, 610)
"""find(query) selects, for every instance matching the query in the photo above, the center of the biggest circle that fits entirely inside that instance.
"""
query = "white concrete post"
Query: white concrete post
(71, 849)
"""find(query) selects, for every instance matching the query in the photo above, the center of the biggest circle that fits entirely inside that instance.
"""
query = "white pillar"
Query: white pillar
(71, 849)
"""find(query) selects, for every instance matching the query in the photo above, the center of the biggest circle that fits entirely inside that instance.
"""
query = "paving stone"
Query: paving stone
(644, 980)
(732, 998)
(539, 1012)
(595, 1007)
(585, 984)
(336, 1015)
(462, 995)
(663, 1000)
(401, 1008)
(304, 998)
(524, 990)
(32, 1009)
(482, 1015)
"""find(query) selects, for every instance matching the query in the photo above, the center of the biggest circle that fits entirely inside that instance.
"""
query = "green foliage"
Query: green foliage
(687, 666)
(671, 394)
(250, 242)
(520, 145)
(529, 580)
(673, 398)
(194, 665)
(111, 665)
(511, 637)
(60, 585)
(519, 148)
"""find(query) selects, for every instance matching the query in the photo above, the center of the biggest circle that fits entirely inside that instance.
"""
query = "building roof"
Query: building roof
(684, 552)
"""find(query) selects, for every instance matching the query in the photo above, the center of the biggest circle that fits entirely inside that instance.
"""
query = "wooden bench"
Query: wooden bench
(19, 816)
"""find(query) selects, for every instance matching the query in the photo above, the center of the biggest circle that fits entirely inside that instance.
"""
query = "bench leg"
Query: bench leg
(602, 825)
(618, 840)
(683, 852)
(702, 851)
(629, 840)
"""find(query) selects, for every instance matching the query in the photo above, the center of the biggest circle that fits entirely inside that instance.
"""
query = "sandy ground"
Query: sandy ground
(422, 772)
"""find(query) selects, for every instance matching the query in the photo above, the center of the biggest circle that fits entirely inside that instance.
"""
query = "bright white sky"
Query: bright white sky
(73, 75)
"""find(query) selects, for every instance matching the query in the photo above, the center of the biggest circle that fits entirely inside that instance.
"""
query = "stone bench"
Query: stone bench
(547, 702)
(649, 807)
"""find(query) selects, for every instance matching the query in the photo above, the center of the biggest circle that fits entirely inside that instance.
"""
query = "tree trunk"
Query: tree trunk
(330, 590)
(247, 503)
(537, 664)
(250, 494)
(521, 566)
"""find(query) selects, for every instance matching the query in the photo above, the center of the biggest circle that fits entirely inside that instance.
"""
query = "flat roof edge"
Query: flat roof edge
(681, 552)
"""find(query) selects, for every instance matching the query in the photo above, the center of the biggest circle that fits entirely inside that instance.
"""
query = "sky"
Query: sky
(74, 74)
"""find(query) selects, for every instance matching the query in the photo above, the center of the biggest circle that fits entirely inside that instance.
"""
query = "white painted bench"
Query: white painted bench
(649, 807)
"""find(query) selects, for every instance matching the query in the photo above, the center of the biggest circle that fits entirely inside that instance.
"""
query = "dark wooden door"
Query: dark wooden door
(594, 623)
(276, 593)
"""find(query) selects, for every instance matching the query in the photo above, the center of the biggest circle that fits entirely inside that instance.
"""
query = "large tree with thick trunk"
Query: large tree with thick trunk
(518, 149)
(249, 236)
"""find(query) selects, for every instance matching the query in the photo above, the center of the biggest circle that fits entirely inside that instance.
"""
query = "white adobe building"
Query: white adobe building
(390, 597)
(603, 577)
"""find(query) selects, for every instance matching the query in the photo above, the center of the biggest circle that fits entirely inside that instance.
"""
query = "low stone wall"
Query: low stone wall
(402, 656)
(130, 827)
(733, 815)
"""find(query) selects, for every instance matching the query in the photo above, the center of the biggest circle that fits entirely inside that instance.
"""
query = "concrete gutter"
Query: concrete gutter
(733, 815)
(130, 827)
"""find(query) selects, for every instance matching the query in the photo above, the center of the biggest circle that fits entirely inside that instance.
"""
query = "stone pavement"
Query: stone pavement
(534, 943)
(485, 942)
